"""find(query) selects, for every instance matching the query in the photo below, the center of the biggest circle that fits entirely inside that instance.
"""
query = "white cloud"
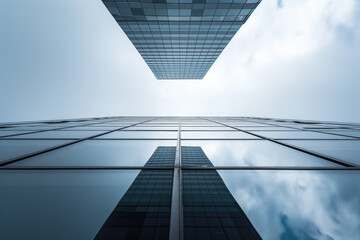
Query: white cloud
(298, 61)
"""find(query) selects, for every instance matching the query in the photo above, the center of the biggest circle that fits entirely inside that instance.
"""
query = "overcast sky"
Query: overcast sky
(70, 59)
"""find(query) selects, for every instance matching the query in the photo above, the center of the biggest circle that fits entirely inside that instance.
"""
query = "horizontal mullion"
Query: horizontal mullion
(171, 168)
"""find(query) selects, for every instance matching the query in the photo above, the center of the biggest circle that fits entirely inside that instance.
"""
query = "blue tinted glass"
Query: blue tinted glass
(174, 128)
(347, 133)
(180, 40)
(61, 134)
(33, 128)
(347, 150)
(6, 133)
(254, 153)
(89, 128)
(57, 204)
(205, 128)
(262, 128)
(141, 134)
(299, 204)
(99, 153)
(218, 134)
(151, 124)
(297, 135)
(15, 148)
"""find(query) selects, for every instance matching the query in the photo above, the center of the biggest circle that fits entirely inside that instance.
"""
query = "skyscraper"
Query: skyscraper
(179, 178)
(180, 39)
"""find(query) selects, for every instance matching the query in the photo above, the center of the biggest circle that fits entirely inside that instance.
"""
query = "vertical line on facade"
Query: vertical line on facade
(176, 210)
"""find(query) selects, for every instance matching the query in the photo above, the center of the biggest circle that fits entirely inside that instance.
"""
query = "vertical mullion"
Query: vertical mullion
(181, 219)
(176, 200)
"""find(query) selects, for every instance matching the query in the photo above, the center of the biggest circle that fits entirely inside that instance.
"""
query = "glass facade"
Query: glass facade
(179, 178)
(144, 211)
(209, 209)
(180, 39)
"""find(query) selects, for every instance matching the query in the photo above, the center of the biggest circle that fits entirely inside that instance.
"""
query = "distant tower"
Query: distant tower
(180, 39)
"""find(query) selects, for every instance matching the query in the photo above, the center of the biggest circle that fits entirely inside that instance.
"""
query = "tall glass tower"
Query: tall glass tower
(180, 39)
(179, 178)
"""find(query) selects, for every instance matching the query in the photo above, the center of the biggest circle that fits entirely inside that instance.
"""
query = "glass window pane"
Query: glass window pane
(254, 153)
(5, 133)
(59, 204)
(203, 128)
(110, 125)
(33, 128)
(271, 128)
(298, 204)
(141, 134)
(210, 125)
(347, 150)
(154, 128)
(99, 153)
(61, 134)
(158, 124)
(297, 135)
(15, 148)
(89, 128)
(217, 134)
(347, 133)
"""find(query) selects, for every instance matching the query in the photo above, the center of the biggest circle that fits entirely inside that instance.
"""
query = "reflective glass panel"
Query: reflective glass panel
(33, 128)
(202, 128)
(61, 134)
(99, 153)
(158, 124)
(111, 125)
(271, 128)
(5, 133)
(88, 128)
(254, 153)
(299, 204)
(347, 150)
(59, 204)
(297, 135)
(141, 134)
(154, 128)
(15, 148)
(217, 134)
(347, 133)
(201, 125)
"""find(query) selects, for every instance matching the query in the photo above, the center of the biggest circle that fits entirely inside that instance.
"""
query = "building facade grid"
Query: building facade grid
(180, 39)
(337, 143)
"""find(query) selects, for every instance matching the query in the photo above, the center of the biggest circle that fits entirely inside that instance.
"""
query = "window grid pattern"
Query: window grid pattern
(344, 135)
(144, 210)
(180, 39)
(210, 211)
(339, 141)
(194, 157)
(162, 157)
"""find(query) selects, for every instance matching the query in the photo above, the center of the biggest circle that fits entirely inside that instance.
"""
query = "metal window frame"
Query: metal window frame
(176, 217)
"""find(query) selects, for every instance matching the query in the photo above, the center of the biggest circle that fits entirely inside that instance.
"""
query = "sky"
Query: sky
(70, 59)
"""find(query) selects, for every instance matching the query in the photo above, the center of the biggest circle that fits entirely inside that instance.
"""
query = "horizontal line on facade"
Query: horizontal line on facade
(187, 139)
(183, 168)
